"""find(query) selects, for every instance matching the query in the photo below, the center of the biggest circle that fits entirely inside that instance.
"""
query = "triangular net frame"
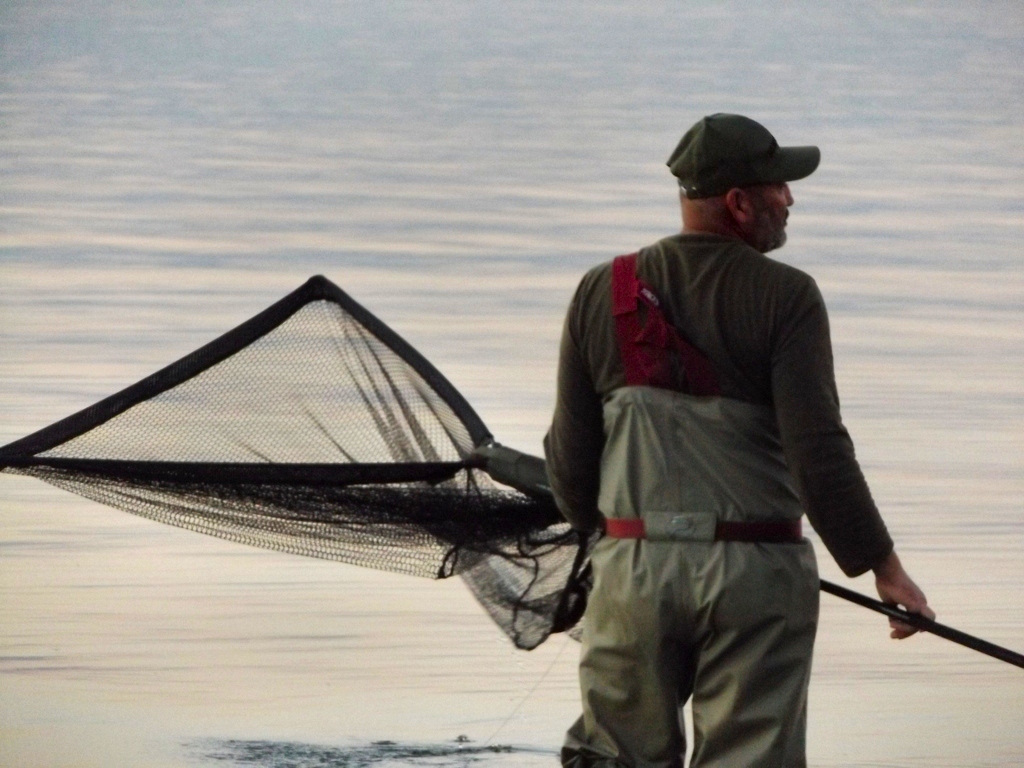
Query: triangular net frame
(314, 429)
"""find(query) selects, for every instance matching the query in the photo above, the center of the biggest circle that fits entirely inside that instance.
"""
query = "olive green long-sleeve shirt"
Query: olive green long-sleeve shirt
(764, 326)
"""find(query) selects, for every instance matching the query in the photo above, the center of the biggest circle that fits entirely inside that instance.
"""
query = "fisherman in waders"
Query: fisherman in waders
(697, 419)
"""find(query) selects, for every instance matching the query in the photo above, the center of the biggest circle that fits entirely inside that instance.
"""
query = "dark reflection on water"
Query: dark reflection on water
(378, 754)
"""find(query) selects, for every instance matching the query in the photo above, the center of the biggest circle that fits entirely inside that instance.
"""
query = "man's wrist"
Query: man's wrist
(888, 566)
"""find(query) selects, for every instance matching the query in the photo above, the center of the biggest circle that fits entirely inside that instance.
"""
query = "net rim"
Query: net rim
(317, 288)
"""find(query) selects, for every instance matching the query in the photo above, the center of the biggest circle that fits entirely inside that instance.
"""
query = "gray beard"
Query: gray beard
(770, 234)
(777, 240)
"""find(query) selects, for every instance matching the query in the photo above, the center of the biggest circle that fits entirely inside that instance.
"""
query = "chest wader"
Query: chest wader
(703, 584)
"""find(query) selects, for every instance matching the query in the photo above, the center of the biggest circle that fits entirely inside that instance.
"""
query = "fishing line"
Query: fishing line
(530, 693)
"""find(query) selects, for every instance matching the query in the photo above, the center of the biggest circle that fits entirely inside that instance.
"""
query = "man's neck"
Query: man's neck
(710, 231)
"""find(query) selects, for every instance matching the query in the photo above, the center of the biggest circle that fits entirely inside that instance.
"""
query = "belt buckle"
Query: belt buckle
(680, 526)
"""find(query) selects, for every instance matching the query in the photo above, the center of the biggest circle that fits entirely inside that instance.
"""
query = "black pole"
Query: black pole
(927, 625)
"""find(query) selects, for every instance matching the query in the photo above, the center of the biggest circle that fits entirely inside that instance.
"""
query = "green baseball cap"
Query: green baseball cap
(723, 151)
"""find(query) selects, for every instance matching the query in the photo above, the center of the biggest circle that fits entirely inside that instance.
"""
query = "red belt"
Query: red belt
(769, 532)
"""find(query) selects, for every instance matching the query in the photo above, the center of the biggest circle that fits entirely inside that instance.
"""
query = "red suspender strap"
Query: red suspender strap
(627, 318)
(644, 349)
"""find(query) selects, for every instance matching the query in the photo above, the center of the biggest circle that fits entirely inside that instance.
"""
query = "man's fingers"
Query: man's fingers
(901, 630)
(896, 588)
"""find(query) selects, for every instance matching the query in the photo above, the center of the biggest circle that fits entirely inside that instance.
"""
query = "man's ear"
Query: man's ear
(740, 205)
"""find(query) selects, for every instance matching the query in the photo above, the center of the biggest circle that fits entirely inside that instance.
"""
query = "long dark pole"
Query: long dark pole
(927, 625)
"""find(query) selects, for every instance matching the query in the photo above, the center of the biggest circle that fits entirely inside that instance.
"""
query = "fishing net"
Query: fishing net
(314, 429)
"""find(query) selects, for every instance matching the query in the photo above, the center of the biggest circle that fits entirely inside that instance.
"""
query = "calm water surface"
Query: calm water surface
(172, 168)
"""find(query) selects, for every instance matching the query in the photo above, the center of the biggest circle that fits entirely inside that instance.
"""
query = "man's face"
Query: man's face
(768, 230)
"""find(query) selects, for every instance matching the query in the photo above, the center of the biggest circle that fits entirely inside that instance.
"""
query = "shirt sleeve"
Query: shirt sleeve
(575, 442)
(818, 447)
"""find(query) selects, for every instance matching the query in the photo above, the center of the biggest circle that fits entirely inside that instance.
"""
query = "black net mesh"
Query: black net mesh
(317, 388)
(314, 429)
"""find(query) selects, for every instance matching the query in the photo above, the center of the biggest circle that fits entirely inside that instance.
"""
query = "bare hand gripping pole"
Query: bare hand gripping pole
(926, 625)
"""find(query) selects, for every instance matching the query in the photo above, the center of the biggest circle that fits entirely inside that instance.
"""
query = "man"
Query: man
(697, 419)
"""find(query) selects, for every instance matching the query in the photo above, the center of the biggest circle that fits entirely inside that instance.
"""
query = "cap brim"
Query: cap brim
(792, 163)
